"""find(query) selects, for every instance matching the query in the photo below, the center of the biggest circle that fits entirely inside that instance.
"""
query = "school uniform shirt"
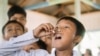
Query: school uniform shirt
(14, 47)
(53, 52)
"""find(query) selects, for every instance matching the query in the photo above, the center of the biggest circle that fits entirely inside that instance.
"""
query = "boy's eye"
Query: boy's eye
(14, 18)
(9, 29)
(66, 27)
(22, 18)
(62, 27)
(18, 29)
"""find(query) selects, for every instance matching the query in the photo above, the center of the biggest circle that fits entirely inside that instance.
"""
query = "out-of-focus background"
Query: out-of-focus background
(42, 11)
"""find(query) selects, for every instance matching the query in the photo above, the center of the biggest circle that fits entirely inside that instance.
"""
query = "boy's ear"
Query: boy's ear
(77, 39)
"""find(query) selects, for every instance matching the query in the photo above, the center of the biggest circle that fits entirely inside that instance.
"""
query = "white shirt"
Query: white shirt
(14, 46)
(53, 52)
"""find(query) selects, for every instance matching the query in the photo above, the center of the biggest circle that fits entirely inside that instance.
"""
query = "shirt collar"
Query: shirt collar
(75, 53)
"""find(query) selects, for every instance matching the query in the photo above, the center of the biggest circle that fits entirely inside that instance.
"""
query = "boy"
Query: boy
(69, 32)
(17, 13)
(13, 31)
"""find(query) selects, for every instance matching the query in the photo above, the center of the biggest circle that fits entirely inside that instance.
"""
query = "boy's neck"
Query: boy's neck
(49, 49)
(68, 52)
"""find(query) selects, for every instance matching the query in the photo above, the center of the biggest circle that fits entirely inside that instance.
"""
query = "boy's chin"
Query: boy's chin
(57, 47)
(60, 48)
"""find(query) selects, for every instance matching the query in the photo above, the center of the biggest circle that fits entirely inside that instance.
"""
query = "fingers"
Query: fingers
(48, 27)
(42, 29)
(33, 46)
(51, 27)
(26, 48)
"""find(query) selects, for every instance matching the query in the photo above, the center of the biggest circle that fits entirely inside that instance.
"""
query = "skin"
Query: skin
(33, 46)
(12, 30)
(65, 29)
(20, 18)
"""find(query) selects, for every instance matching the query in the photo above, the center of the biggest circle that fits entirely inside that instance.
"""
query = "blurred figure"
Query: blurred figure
(17, 13)
(82, 54)
(12, 29)
(99, 51)
(88, 52)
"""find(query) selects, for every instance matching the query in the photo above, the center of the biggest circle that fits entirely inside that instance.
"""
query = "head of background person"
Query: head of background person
(88, 52)
(17, 13)
(99, 48)
(12, 29)
(69, 32)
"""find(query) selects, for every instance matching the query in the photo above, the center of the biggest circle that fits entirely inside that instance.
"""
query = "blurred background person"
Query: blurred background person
(17, 13)
(99, 51)
(88, 52)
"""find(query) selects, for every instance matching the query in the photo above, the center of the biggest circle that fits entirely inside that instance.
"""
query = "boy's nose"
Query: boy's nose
(58, 30)
(14, 32)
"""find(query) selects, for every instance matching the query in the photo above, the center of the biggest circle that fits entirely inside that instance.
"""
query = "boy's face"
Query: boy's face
(65, 35)
(20, 18)
(12, 30)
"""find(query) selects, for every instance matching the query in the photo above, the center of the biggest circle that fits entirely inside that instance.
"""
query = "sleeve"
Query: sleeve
(17, 43)
(39, 52)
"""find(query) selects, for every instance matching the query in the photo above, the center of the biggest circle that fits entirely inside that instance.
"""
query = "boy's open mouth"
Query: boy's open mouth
(58, 37)
(15, 36)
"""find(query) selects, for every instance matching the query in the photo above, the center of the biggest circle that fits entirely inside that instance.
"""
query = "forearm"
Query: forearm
(18, 42)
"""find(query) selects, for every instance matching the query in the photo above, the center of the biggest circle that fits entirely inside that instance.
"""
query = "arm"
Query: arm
(17, 43)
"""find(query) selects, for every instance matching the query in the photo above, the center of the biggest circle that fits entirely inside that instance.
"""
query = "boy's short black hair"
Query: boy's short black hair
(16, 9)
(89, 52)
(9, 22)
(42, 44)
(80, 29)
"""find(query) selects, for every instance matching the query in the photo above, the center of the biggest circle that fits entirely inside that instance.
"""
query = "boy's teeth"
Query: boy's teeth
(58, 38)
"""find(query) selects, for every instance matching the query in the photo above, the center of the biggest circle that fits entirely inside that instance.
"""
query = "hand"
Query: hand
(33, 46)
(43, 30)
